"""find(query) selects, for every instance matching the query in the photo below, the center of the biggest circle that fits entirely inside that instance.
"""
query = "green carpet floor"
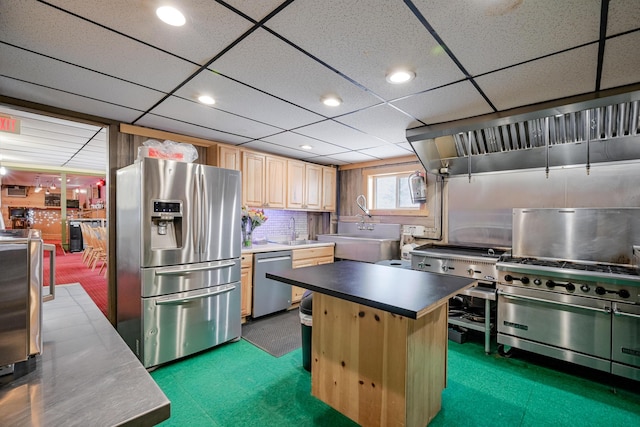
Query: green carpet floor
(238, 384)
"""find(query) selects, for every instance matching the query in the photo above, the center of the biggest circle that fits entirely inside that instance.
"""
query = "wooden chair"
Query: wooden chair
(88, 243)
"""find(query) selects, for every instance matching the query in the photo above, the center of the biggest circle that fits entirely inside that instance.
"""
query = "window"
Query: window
(388, 191)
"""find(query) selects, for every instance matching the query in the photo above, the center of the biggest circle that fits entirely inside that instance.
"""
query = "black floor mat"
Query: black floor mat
(277, 334)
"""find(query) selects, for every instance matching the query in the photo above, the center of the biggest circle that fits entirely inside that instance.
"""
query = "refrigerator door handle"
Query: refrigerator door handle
(173, 300)
(185, 271)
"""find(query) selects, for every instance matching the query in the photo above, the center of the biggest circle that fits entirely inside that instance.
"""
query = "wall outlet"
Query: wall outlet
(413, 230)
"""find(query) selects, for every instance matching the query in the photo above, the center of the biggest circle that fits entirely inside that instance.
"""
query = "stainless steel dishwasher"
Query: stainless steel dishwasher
(269, 295)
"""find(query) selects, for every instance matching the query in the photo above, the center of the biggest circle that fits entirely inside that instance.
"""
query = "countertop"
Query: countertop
(85, 376)
(272, 247)
(408, 293)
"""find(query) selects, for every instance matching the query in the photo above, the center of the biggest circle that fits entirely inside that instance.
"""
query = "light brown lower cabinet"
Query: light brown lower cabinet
(246, 281)
(306, 258)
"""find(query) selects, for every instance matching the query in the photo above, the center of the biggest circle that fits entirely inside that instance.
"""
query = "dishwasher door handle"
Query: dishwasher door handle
(546, 301)
(275, 259)
(183, 300)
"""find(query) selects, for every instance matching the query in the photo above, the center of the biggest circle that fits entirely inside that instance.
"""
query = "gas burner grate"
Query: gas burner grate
(569, 265)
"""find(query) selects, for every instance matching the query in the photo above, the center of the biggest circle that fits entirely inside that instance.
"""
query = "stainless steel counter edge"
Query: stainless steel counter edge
(271, 247)
(86, 375)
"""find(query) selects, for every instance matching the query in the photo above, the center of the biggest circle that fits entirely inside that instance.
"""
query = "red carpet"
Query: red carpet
(70, 269)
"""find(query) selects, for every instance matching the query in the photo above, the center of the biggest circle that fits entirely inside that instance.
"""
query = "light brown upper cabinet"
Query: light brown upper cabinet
(328, 189)
(228, 157)
(305, 185)
(263, 180)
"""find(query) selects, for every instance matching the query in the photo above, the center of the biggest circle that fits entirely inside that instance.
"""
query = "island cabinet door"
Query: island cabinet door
(378, 368)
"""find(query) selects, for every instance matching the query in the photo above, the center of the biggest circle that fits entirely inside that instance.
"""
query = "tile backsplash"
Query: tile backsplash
(277, 225)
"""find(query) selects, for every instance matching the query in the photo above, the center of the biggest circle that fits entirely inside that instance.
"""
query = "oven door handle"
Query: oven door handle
(185, 271)
(184, 300)
(546, 301)
(617, 312)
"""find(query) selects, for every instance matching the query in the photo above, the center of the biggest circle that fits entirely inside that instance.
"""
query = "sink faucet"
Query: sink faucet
(292, 227)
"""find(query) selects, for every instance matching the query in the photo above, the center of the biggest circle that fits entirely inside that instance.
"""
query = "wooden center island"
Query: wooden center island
(379, 339)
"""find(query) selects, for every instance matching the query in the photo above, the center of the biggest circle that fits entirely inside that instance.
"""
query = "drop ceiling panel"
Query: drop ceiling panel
(486, 36)
(33, 25)
(445, 104)
(245, 101)
(383, 121)
(624, 15)
(264, 61)
(277, 149)
(198, 114)
(210, 27)
(56, 98)
(323, 160)
(24, 65)
(295, 140)
(531, 83)
(170, 125)
(255, 9)
(351, 157)
(367, 40)
(621, 61)
(387, 151)
(340, 135)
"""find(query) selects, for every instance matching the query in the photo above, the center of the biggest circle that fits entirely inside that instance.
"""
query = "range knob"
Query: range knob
(624, 293)
(600, 290)
(550, 284)
(537, 282)
(470, 271)
(570, 287)
(510, 278)
(585, 288)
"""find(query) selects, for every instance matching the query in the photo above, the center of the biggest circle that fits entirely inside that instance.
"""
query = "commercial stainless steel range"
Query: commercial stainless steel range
(571, 288)
(466, 261)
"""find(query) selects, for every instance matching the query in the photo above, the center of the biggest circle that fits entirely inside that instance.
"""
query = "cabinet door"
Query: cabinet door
(228, 157)
(295, 181)
(275, 182)
(313, 187)
(328, 189)
(246, 281)
(253, 172)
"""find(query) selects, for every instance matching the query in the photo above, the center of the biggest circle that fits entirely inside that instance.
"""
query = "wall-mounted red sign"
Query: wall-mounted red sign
(9, 124)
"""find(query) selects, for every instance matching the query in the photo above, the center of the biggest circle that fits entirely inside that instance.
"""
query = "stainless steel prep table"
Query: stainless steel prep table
(86, 374)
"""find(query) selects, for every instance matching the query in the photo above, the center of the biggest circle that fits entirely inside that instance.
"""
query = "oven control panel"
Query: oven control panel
(593, 289)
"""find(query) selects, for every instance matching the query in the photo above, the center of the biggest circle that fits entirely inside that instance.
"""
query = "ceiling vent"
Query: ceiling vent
(16, 191)
(587, 131)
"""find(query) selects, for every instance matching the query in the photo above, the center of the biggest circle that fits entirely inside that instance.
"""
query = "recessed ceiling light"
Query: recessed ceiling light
(400, 76)
(206, 99)
(331, 100)
(171, 16)
(306, 147)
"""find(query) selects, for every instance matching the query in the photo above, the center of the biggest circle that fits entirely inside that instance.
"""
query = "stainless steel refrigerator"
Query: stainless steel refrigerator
(178, 258)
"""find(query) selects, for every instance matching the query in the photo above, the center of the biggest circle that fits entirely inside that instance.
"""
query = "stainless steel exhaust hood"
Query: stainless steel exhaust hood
(602, 127)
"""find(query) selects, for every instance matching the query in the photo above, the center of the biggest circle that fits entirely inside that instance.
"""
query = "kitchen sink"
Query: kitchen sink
(295, 242)
(377, 243)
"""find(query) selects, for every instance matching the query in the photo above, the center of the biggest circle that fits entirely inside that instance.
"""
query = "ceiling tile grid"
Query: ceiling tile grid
(532, 82)
(210, 27)
(35, 26)
(365, 41)
(265, 61)
(117, 60)
(489, 35)
(245, 101)
(25, 65)
(212, 118)
(187, 128)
